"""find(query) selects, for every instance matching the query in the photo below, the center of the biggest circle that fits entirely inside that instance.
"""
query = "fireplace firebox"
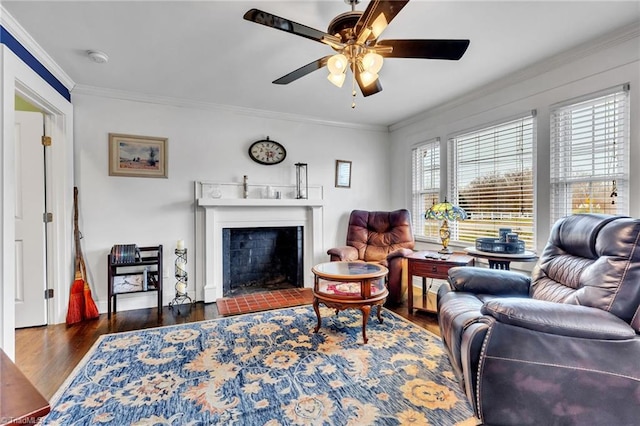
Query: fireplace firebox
(261, 258)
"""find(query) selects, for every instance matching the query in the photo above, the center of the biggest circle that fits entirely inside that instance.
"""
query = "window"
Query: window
(426, 186)
(491, 178)
(590, 154)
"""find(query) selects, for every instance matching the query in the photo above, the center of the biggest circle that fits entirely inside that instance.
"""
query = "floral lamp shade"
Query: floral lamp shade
(445, 211)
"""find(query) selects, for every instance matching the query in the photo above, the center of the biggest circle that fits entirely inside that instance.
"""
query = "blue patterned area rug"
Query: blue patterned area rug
(266, 369)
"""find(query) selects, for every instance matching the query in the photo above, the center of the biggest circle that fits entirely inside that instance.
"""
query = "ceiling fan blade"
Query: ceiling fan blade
(376, 17)
(283, 24)
(425, 49)
(302, 71)
(369, 90)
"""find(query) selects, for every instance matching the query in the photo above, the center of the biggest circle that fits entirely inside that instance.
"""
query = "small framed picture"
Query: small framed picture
(128, 283)
(137, 156)
(343, 174)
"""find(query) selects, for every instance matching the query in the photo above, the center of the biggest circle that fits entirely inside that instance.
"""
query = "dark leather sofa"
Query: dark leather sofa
(382, 237)
(561, 347)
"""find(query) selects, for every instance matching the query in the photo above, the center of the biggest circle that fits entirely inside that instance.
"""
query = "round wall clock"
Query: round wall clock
(267, 152)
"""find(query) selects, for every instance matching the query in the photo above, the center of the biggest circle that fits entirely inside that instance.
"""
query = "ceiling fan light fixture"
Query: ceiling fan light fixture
(367, 78)
(354, 38)
(337, 79)
(372, 62)
(337, 64)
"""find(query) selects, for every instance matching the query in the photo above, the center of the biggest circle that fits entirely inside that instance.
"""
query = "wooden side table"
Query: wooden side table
(429, 264)
(501, 260)
(20, 401)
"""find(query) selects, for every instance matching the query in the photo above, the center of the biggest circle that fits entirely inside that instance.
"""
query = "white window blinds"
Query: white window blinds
(590, 155)
(491, 178)
(425, 160)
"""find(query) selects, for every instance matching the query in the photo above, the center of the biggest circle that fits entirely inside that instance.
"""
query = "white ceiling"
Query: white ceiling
(205, 52)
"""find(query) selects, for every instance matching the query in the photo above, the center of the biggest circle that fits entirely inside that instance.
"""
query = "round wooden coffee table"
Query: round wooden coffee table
(350, 285)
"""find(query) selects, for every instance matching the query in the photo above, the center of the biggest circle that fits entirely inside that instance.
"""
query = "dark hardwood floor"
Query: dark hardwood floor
(47, 355)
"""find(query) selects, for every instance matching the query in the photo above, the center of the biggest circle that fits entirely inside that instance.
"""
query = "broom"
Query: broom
(90, 308)
(76, 299)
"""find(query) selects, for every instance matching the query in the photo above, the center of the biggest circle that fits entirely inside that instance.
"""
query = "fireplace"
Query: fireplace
(261, 258)
(224, 208)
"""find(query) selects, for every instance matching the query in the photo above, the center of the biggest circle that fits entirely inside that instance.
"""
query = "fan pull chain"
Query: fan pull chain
(353, 90)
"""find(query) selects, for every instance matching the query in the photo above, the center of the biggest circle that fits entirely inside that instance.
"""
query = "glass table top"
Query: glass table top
(350, 269)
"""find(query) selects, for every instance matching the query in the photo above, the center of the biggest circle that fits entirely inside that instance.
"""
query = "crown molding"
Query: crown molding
(614, 38)
(81, 89)
(23, 37)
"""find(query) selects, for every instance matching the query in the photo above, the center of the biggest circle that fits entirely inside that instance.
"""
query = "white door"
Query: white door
(31, 305)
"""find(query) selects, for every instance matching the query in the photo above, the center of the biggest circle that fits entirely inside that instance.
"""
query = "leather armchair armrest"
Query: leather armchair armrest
(402, 252)
(488, 281)
(558, 318)
(344, 253)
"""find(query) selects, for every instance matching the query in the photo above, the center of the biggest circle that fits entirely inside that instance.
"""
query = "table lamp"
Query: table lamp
(445, 211)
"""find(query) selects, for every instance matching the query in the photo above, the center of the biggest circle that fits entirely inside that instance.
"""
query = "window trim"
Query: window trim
(452, 167)
(558, 209)
(418, 216)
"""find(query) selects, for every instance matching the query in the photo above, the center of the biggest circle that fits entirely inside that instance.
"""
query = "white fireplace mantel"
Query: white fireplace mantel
(215, 214)
(257, 202)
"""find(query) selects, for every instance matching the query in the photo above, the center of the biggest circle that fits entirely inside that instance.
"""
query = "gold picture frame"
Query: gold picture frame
(137, 156)
(343, 174)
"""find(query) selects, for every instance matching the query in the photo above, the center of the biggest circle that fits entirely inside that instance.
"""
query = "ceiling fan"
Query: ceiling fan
(354, 36)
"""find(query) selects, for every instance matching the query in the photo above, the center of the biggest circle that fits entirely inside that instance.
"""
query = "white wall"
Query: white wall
(206, 144)
(587, 69)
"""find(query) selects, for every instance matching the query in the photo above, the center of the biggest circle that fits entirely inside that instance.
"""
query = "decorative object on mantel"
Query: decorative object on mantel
(302, 181)
(137, 156)
(343, 174)
(181, 277)
(245, 186)
(267, 152)
(258, 192)
(445, 211)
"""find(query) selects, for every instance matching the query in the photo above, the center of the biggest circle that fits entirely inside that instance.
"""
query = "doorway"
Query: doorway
(17, 77)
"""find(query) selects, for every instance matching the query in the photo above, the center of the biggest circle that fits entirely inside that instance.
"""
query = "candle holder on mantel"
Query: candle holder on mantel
(181, 280)
(302, 181)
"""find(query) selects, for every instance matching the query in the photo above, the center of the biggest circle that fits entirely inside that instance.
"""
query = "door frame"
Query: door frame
(17, 77)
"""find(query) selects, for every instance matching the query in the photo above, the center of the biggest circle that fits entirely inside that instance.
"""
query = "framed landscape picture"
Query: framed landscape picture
(138, 156)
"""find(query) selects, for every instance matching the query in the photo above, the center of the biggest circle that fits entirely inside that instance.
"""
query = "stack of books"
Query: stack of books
(125, 253)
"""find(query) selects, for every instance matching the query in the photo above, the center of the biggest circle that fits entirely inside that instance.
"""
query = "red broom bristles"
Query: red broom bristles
(90, 308)
(76, 300)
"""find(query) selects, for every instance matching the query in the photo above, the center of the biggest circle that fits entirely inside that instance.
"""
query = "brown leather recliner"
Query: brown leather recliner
(561, 347)
(382, 237)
